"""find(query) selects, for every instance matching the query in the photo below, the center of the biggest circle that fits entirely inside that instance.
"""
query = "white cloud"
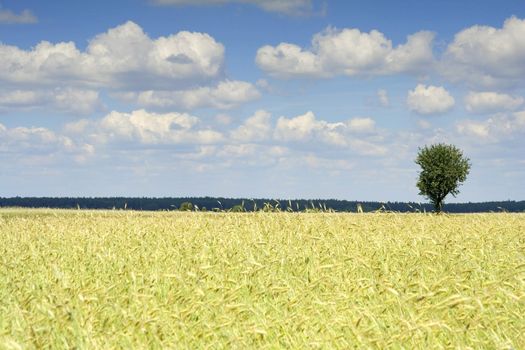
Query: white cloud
(298, 128)
(149, 128)
(382, 96)
(123, 57)
(225, 95)
(491, 102)
(289, 7)
(306, 128)
(182, 71)
(256, 128)
(496, 128)
(30, 136)
(39, 144)
(361, 125)
(68, 100)
(127, 137)
(146, 128)
(288, 60)
(77, 101)
(487, 56)
(19, 98)
(347, 52)
(430, 99)
(9, 17)
(480, 55)
(473, 128)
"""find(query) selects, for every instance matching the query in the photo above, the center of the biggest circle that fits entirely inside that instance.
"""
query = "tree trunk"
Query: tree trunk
(438, 205)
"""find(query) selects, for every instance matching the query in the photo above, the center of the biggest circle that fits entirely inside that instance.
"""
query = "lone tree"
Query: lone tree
(443, 170)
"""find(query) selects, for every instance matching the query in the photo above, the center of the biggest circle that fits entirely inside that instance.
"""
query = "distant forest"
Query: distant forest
(244, 204)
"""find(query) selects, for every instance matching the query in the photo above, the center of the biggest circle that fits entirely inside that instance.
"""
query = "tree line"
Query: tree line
(443, 169)
(246, 204)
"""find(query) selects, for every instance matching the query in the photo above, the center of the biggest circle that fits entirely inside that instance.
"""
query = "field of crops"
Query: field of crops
(121, 279)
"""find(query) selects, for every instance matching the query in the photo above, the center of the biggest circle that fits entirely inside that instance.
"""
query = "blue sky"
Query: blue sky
(252, 98)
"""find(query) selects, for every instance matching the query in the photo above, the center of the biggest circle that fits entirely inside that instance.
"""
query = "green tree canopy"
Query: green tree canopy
(443, 170)
(186, 206)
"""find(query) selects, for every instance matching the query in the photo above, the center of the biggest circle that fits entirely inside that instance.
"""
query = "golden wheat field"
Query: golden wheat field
(123, 279)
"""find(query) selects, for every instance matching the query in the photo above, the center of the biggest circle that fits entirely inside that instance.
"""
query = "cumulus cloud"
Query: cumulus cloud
(41, 143)
(123, 57)
(150, 130)
(289, 7)
(146, 128)
(491, 102)
(24, 17)
(225, 95)
(494, 129)
(25, 137)
(427, 100)
(487, 56)
(478, 56)
(474, 128)
(182, 140)
(256, 128)
(182, 71)
(360, 125)
(307, 128)
(68, 100)
(297, 128)
(348, 52)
